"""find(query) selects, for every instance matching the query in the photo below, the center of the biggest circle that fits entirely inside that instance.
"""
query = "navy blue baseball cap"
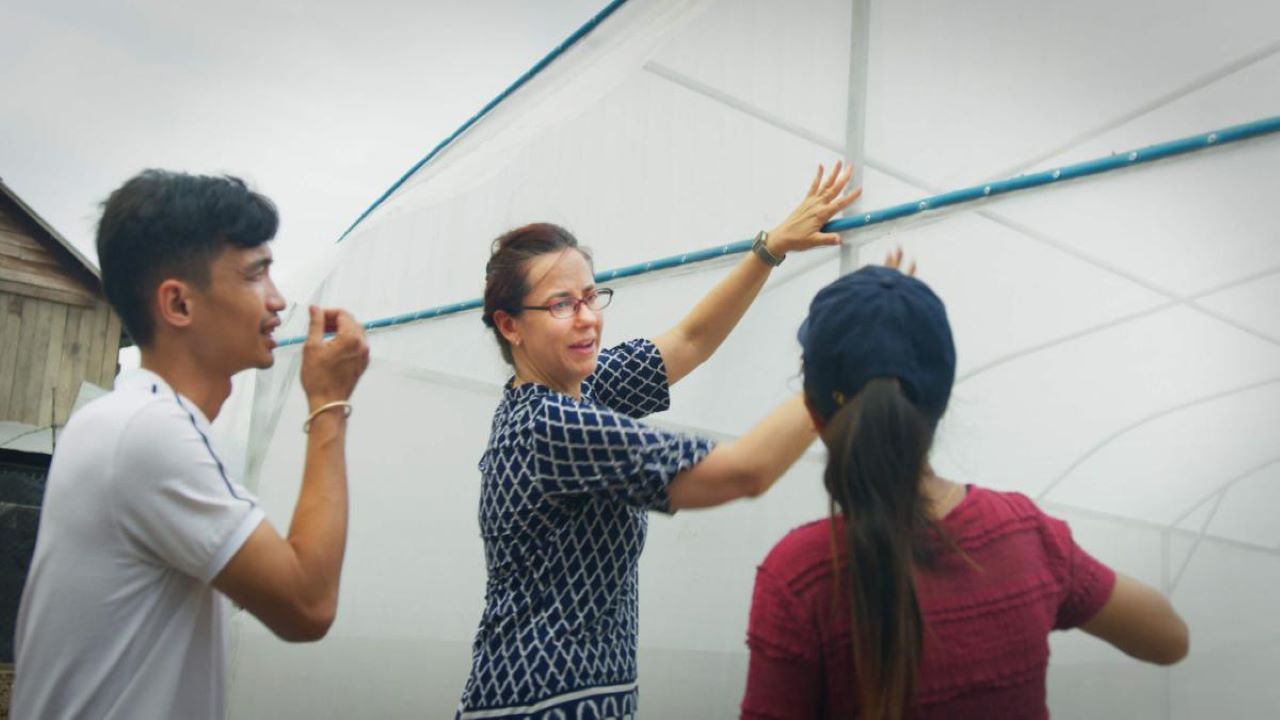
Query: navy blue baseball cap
(877, 322)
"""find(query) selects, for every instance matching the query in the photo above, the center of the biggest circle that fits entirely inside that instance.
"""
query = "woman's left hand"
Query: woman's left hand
(802, 229)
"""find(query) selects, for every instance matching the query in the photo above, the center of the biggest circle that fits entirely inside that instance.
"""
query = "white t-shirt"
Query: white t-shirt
(118, 619)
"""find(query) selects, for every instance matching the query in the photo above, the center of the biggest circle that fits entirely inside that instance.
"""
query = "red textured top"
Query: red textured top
(986, 645)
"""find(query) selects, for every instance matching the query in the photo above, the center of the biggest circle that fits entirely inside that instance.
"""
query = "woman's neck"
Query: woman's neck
(523, 377)
(943, 494)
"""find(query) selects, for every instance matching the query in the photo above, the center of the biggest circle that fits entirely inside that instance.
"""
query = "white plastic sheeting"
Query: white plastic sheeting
(1118, 337)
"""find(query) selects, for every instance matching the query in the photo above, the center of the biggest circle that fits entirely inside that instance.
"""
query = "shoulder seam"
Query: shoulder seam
(218, 461)
(150, 400)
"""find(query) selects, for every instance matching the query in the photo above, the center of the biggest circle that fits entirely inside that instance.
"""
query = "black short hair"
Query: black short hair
(162, 225)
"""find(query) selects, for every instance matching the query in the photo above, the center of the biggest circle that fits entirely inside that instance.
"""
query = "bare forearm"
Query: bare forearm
(777, 441)
(718, 313)
(750, 465)
(318, 532)
(1139, 620)
(689, 344)
(291, 583)
(700, 333)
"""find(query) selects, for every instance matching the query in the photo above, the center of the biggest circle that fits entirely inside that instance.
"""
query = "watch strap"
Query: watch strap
(762, 251)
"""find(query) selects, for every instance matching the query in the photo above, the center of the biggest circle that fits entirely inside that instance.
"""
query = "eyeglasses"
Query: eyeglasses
(568, 307)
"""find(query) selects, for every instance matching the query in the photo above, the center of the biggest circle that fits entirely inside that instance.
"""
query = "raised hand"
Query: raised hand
(893, 259)
(331, 368)
(802, 229)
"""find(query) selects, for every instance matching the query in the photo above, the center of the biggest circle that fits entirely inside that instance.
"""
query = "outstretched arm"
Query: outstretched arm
(750, 465)
(694, 339)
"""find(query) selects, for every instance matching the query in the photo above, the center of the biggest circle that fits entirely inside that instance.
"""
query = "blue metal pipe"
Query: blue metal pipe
(520, 81)
(1116, 161)
(1112, 162)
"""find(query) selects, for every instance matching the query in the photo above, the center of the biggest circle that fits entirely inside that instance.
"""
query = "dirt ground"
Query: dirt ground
(6, 688)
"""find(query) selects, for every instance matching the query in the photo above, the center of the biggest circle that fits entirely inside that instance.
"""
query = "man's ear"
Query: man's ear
(174, 303)
(506, 325)
(818, 422)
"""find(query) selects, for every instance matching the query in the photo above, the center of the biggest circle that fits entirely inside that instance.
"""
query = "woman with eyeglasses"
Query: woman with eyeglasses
(919, 597)
(570, 471)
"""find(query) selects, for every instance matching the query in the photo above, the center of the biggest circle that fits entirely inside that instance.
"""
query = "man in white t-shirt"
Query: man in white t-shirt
(144, 530)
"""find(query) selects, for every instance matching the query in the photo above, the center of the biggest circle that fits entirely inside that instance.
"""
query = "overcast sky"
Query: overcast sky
(320, 105)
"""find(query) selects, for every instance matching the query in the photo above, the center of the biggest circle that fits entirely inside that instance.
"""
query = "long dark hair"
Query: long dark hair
(878, 444)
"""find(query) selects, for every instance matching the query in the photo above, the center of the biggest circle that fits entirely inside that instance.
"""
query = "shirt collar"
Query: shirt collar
(143, 380)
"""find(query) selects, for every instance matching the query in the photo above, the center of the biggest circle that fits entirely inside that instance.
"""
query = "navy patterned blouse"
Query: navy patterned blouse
(566, 487)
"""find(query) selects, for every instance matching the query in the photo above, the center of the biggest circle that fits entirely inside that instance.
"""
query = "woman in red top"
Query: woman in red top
(919, 597)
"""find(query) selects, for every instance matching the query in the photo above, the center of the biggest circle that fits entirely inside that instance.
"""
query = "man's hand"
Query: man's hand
(291, 584)
(331, 368)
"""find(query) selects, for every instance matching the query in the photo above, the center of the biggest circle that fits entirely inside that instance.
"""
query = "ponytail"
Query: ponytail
(878, 443)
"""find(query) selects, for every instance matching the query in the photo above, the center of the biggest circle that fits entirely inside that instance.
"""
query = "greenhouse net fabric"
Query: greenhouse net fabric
(1118, 335)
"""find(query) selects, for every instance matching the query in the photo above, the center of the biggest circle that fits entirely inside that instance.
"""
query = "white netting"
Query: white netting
(1118, 337)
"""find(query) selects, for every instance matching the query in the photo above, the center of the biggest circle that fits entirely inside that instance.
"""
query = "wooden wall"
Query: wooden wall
(55, 329)
(28, 267)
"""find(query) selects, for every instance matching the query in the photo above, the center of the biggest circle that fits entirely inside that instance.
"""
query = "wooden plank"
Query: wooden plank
(11, 410)
(13, 240)
(88, 330)
(31, 256)
(32, 381)
(97, 345)
(33, 262)
(14, 229)
(84, 339)
(52, 277)
(38, 292)
(11, 309)
(35, 237)
(19, 239)
(35, 317)
(28, 268)
(111, 356)
(47, 288)
(39, 280)
(18, 270)
(71, 367)
(52, 365)
(11, 223)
